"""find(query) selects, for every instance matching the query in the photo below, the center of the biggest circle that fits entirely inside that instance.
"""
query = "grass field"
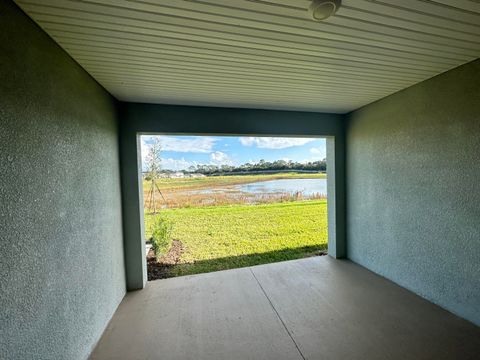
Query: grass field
(224, 237)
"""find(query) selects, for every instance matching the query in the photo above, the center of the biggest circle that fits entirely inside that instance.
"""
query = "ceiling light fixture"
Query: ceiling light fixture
(322, 9)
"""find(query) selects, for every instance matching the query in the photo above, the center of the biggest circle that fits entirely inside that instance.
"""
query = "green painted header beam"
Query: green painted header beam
(137, 118)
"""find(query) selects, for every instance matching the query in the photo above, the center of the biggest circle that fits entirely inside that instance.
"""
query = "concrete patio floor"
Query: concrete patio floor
(315, 308)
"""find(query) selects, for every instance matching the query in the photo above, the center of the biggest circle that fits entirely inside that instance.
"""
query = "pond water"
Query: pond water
(307, 187)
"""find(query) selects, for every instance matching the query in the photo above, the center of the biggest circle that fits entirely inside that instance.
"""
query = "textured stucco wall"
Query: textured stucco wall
(61, 255)
(413, 189)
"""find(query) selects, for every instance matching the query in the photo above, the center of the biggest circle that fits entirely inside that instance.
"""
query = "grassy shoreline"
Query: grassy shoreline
(223, 181)
(175, 193)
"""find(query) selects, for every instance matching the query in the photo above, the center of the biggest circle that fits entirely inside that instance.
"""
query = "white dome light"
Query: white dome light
(322, 9)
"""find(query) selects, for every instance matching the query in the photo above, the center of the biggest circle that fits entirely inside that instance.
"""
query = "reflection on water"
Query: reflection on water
(307, 187)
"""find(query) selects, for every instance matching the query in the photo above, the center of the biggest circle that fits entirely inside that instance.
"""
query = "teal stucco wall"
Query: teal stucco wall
(413, 189)
(61, 251)
(140, 118)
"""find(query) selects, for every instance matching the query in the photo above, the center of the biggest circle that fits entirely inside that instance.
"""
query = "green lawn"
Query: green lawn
(225, 237)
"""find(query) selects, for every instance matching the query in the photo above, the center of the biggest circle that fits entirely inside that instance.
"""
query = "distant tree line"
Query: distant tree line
(261, 166)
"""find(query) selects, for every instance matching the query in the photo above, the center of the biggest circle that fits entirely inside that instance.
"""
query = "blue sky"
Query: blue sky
(180, 152)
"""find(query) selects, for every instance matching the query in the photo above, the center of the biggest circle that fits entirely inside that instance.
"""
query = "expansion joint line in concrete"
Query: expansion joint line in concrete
(278, 315)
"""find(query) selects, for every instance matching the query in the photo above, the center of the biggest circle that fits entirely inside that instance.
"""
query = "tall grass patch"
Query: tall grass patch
(161, 235)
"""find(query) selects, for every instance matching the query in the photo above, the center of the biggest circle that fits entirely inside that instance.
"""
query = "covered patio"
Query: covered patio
(315, 308)
(392, 85)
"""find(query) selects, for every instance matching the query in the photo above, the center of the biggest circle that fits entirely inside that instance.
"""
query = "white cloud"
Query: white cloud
(172, 143)
(165, 163)
(273, 142)
(216, 158)
(320, 153)
(176, 144)
(220, 158)
(144, 151)
(176, 164)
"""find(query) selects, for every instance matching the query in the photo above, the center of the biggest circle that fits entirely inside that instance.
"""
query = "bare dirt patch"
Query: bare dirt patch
(160, 268)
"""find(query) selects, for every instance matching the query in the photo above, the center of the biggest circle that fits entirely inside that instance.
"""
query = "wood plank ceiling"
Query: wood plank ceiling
(261, 53)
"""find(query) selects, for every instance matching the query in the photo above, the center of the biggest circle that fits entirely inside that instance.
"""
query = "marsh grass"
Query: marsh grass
(234, 198)
(177, 193)
(217, 181)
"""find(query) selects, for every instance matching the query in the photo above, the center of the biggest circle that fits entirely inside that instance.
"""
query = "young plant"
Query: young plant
(161, 236)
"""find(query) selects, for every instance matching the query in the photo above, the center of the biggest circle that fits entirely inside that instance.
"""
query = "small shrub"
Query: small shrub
(161, 236)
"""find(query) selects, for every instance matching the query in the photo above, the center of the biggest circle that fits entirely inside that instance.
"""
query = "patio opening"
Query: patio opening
(220, 202)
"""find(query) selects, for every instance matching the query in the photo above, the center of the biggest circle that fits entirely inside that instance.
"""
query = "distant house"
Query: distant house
(177, 175)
